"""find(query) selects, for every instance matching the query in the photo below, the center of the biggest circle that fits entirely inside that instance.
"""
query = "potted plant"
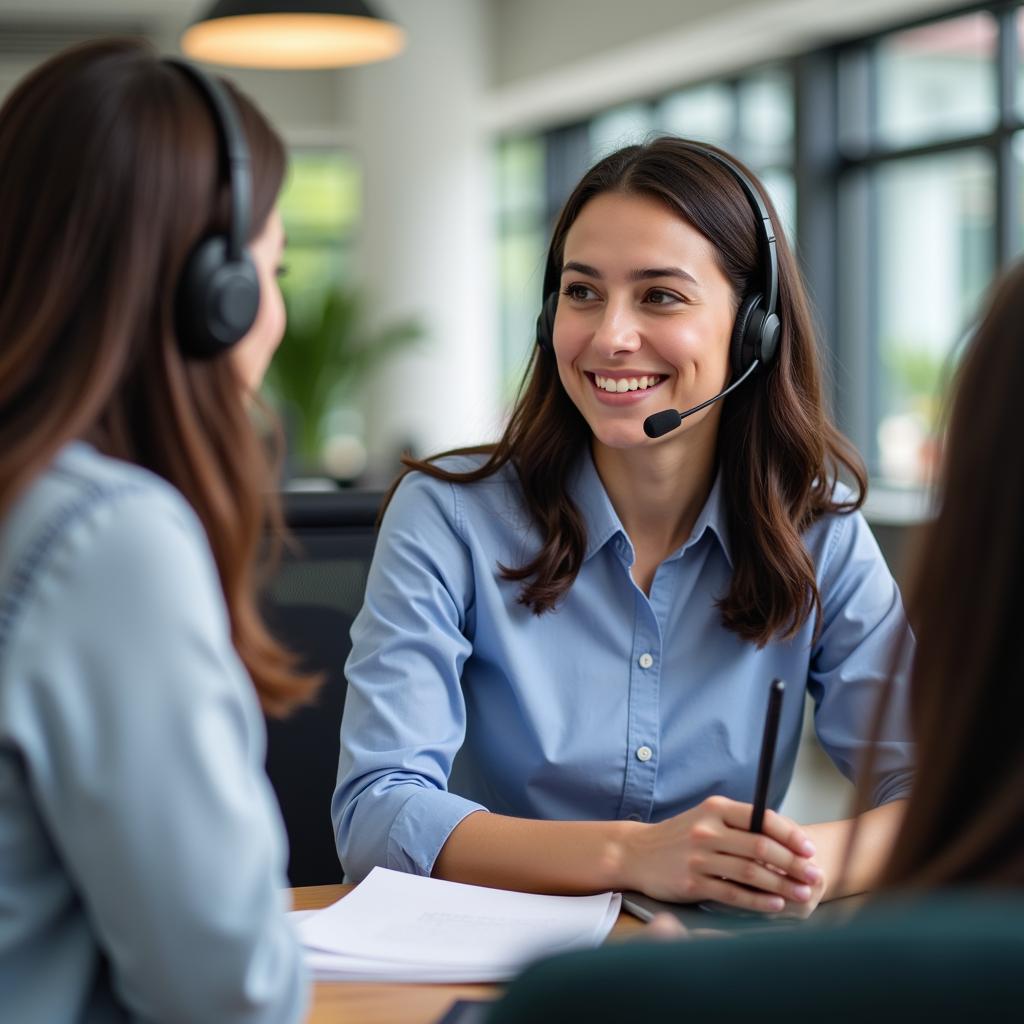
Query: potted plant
(327, 352)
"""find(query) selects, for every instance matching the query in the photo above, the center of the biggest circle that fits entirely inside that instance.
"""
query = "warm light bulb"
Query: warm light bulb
(292, 40)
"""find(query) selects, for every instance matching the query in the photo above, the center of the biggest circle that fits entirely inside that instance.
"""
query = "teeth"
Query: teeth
(619, 385)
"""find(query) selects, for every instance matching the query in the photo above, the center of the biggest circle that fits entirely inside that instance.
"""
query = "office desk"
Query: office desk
(359, 1002)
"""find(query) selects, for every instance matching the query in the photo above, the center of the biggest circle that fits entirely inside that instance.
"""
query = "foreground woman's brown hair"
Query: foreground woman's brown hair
(87, 284)
(965, 816)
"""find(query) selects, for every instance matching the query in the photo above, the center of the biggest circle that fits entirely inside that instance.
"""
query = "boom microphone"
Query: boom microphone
(660, 423)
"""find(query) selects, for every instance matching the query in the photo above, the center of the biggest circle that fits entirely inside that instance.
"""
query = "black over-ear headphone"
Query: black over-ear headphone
(218, 293)
(755, 333)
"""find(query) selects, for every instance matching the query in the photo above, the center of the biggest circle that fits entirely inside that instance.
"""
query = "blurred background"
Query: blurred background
(890, 134)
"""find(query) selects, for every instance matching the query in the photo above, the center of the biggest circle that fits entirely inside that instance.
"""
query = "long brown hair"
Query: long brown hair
(109, 175)
(778, 450)
(964, 820)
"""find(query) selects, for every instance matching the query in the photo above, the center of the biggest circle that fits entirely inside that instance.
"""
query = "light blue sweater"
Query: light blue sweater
(142, 854)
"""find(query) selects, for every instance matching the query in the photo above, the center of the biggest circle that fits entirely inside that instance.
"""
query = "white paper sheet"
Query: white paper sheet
(399, 927)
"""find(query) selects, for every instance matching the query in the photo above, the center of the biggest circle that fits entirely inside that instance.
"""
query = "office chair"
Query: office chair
(950, 957)
(309, 605)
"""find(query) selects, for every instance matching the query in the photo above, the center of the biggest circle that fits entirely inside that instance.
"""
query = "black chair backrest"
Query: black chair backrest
(309, 605)
(952, 957)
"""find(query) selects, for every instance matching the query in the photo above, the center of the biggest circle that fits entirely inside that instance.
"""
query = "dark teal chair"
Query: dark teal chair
(950, 958)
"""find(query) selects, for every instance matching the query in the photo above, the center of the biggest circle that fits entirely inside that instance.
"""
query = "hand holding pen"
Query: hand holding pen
(713, 851)
(801, 907)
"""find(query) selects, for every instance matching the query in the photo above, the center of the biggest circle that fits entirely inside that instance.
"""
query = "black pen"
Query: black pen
(764, 775)
(764, 767)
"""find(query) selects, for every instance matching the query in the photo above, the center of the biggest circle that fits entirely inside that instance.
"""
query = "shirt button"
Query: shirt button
(646, 661)
(644, 753)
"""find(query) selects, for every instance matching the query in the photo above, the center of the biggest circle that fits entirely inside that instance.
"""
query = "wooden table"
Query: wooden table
(360, 1002)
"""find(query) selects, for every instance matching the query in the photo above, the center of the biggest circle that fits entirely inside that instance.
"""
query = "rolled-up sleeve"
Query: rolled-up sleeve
(405, 716)
(862, 657)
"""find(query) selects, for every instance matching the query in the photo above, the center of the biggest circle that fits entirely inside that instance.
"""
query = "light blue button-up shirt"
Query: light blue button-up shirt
(615, 705)
(142, 852)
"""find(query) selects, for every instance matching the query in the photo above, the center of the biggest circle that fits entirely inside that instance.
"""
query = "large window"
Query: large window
(929, 178)
(320, 206)
(522, 227)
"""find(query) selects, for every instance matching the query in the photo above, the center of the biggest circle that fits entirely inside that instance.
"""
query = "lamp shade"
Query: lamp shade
(291, 34)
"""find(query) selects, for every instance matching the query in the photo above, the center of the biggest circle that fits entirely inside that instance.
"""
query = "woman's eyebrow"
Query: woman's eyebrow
(649, 272)
(581, 268)
(643, 274)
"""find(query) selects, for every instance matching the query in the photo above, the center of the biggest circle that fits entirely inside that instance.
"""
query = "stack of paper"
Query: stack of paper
(399, 927)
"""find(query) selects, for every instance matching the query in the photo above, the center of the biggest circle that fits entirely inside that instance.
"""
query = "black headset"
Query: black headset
(218, 293)
(755, 333)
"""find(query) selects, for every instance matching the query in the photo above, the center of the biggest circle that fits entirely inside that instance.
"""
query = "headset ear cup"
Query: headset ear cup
(745, 345)
(217, 299)
(546, 324)
(771, 328)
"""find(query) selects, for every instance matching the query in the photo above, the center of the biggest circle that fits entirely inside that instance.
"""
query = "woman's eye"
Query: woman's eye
(659, 297)
(579, 292)
(281, 270)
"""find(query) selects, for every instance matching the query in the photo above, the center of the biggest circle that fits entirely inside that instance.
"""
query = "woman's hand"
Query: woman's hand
(663, 927)
(803, 909)
(707, 853)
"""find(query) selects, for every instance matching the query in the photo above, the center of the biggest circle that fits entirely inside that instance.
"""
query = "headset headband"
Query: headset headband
(765, 228)
(236, 153)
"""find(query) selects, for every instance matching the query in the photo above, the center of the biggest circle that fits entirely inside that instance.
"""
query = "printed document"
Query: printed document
(399, 927)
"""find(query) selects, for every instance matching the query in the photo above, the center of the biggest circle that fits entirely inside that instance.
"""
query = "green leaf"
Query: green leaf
(327, 353)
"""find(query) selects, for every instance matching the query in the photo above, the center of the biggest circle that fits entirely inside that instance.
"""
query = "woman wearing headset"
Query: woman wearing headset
(952, 951)
(142, 856)
(589, 616)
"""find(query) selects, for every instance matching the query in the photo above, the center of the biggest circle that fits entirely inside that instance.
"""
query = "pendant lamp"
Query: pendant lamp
(291, 34)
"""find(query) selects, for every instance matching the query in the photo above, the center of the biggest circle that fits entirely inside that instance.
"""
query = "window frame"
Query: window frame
(851, 312)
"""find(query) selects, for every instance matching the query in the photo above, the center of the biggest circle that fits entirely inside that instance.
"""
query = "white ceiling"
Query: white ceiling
(85, 9)
(159, 16)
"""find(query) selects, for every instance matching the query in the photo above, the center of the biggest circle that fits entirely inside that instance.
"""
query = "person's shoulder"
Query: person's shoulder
(78, 480)
(467, 506)
(117, 556)
(462, 462)
(80, 475)
(840, 536)
(137, 511)
(841, 506)
(88, 512)
(450, 489)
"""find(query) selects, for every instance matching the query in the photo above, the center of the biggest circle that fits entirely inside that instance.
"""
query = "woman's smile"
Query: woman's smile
(624, 387)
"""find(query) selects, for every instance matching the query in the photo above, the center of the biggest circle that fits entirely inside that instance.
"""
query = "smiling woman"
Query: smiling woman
(629, 314)
(590, 616)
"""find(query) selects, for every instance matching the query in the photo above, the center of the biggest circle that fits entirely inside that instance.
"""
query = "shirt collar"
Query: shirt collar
(602, 522)
(599, 516)
(712, 517)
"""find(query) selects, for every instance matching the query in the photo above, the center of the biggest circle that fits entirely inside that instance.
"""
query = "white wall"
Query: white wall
(426, 235)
